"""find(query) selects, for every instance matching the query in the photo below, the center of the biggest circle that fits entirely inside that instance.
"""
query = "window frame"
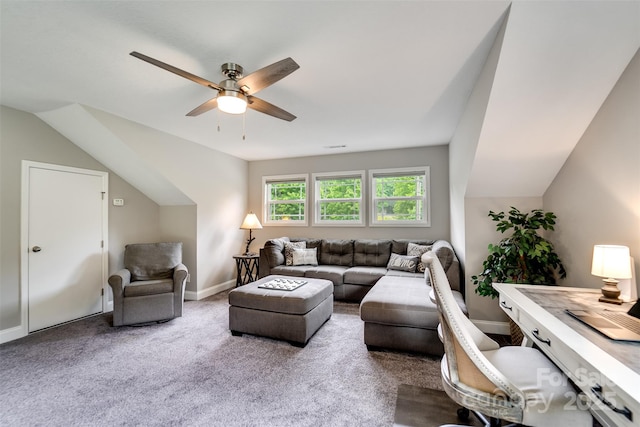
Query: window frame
(425, 171)
(266, 202)
(317, 178)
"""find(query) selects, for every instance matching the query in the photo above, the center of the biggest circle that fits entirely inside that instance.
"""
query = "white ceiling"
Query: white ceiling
(373, 74)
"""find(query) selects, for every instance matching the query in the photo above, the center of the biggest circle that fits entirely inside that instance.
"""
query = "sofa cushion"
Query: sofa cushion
(360, 275)
(305, 256)
(399, 246)
(403, 263)
(290, 270)
(414, 249)
(151, 261)
(450, 264)
(399, 273)
(402, 302)
(274, 251)
(288, 250)
(371, 253)
(337, 252)
(335, 273)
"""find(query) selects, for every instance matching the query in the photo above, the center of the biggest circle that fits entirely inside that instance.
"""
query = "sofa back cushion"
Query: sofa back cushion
(399, 246)
(149, 261)
(449, 261)
(274, 251)
(371, 253)
(336, 252)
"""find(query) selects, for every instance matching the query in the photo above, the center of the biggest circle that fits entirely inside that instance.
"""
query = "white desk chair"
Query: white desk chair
(515, 384)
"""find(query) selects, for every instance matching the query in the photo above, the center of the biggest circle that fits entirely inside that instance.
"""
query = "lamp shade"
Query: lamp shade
(611, 261)
(250, 222)
(232, 102)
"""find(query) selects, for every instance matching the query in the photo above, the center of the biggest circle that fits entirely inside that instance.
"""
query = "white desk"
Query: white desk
(590, 359)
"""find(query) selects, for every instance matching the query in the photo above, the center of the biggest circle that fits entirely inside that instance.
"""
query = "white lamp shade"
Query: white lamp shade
(250, 222)
(232, 102)
(611, 261)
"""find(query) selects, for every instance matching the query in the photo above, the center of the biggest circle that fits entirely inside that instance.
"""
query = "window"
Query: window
(338, 198)
(285, 200)
(400, 197)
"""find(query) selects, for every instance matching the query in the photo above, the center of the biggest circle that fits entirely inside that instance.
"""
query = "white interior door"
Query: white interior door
(65, 244)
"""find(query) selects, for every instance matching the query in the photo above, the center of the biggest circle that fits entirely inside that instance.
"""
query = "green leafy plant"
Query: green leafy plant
(524, 256)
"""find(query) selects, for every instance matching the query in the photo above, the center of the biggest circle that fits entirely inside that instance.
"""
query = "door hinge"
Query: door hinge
(103, 193)
(102, 292)
(102, 243)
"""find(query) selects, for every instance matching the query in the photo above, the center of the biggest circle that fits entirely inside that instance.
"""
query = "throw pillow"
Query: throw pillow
(305, 256)
(403, 263)
(288, 250)
(417, 250)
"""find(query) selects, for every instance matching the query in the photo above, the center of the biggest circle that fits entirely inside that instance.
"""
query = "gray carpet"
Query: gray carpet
(191, 371)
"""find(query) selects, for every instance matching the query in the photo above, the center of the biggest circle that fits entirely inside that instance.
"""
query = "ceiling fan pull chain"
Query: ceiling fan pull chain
(244, 115)
(218, 119)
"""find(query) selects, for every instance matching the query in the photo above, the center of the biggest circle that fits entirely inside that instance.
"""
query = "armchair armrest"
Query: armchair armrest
(180, 274)
(119, 280)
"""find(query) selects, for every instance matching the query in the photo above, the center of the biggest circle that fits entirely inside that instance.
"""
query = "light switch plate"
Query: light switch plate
(118, 202)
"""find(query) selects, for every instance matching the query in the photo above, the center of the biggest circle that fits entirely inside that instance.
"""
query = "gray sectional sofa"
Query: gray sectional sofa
(384, 276)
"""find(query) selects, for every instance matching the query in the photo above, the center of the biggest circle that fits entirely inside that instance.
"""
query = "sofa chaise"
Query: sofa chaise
(386, 277)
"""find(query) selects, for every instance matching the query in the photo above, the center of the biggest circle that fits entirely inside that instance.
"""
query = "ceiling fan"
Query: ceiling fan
(235, 93)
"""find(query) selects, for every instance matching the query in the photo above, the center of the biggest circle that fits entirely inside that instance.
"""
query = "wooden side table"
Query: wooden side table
(247, 267)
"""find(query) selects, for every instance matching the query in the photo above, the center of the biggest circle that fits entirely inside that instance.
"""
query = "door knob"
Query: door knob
(36, 249)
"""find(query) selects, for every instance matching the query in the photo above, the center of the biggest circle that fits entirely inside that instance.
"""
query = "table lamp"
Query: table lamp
(611, 262)
(250, 223)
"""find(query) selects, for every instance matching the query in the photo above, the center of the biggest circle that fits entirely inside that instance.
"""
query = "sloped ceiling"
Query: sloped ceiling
(374, 74)
(558, 63)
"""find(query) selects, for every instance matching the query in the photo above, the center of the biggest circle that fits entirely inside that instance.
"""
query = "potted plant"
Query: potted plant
(522, 257)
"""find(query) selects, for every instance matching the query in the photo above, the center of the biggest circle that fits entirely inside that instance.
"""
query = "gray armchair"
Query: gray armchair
(151, 286)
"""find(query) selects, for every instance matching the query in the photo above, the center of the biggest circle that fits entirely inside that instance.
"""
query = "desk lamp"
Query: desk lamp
(250, 223)
(611, 262)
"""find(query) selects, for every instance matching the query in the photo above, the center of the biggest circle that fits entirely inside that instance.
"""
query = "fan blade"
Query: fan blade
(270, 109)
(203, 108)
(177, 71)
(267, 76)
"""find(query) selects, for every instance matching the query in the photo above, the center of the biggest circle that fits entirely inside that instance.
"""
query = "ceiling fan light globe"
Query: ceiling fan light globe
(232, 102)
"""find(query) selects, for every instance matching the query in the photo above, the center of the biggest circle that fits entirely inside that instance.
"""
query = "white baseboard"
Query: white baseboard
(211, 290)
(492, 326)
(11, 334)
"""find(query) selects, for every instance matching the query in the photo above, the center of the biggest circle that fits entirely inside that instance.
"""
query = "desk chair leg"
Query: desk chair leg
(464, 413)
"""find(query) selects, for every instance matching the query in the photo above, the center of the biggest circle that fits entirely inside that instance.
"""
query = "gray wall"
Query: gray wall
(435, 157)
(25, 137)
(215, 181)
(596, 195)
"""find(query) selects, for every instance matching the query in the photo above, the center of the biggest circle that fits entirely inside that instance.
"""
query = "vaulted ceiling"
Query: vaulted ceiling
(373, 74)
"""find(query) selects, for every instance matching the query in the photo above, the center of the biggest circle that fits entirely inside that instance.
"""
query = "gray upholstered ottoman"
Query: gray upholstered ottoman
(292, 316)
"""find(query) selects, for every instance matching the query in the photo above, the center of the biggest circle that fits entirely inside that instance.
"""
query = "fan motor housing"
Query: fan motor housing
(232, 70)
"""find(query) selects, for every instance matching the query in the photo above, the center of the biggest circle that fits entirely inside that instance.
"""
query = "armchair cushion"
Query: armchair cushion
(148, 287)
(150, 261)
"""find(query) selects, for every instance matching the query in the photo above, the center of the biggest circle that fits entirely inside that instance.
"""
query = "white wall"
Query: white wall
(215, 181)
(25, 137)
(462, 148)
(435, 157)
(596, 195)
